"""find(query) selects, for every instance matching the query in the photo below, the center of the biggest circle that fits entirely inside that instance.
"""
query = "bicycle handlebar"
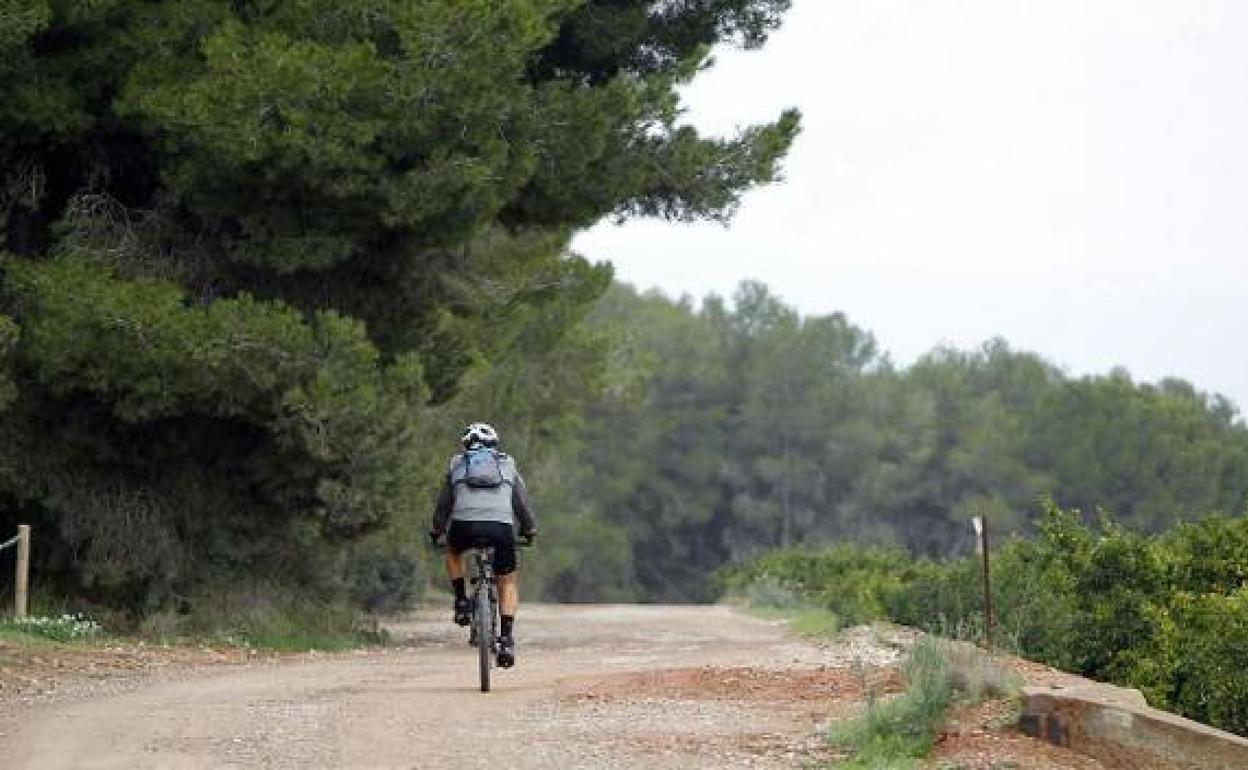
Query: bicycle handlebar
(439, 541)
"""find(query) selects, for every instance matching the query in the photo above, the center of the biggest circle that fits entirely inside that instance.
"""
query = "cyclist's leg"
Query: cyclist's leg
(455, 547)
(458, 540)
(504, 538)
(508, 590)
(508, 603)
(454, 565)
(509, 593)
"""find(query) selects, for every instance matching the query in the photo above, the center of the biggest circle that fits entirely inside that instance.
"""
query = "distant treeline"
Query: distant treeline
(727, 429)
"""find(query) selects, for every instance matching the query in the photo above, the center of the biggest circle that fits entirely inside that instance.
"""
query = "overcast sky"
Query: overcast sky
(1070, 175)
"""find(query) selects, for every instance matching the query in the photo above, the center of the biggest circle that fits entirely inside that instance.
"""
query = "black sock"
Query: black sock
(458, 585)
(508, 620)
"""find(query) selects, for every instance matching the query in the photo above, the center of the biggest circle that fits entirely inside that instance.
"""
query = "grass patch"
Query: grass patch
(21, 638)
(976, 677)
(266, 618)
(767, 598)
(300, 635)
(814, 621)
(898, 732)
(807, 621)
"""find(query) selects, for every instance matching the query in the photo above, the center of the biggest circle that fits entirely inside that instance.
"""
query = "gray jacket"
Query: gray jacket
(507, 503)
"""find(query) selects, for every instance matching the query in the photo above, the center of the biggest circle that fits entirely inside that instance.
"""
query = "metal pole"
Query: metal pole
(988, 619)
(22, 583)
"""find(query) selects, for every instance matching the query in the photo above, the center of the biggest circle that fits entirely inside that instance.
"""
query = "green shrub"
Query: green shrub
(1209, 679)
(1035, 602)
(767, 592)
(855, 584)
(1208, 556)
(385, 579)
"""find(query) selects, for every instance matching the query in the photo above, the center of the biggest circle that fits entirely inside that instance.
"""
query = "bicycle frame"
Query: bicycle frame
(484, 611)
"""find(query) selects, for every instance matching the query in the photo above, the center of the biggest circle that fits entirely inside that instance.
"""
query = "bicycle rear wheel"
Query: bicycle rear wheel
(485, 637)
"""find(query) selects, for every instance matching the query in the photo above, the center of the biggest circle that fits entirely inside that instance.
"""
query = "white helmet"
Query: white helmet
(479, 434)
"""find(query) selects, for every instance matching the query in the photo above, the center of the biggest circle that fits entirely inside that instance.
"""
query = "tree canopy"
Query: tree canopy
(252, 247)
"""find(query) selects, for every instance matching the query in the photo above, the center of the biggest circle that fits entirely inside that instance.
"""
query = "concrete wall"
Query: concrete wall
(1116, 726)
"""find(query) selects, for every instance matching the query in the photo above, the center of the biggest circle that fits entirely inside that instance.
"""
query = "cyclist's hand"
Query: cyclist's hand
(528, 538)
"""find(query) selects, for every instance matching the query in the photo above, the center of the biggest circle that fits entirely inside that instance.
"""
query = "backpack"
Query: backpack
(483, 468)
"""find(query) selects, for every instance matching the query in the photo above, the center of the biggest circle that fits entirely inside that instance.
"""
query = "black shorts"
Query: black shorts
(464, 534)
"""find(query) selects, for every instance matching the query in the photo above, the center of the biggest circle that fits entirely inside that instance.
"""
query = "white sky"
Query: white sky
(1071, 175)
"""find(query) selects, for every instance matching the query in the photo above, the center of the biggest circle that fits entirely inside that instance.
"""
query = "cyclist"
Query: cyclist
(483, 498)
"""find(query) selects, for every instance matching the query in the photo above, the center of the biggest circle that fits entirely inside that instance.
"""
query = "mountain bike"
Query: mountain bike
(483, 633)
(483, 630)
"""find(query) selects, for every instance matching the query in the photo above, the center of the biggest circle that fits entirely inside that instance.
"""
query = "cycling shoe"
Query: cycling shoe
(506, 652)
(463, 612)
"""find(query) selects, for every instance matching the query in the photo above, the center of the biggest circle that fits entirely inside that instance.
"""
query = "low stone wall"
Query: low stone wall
(1116, 726)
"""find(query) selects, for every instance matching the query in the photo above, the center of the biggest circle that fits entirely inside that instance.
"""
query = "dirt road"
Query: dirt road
(596, 687)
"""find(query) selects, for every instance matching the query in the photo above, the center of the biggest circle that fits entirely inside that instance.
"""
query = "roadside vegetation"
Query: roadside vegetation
(767, 598)
(268, 619)
(896, 732)
(262, 618)
(297, 630)
(38, 628)
(940, 674)
(1165, 613)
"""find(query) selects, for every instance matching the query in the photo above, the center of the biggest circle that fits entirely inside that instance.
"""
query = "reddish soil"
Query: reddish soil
(818, 687)
(983, 737)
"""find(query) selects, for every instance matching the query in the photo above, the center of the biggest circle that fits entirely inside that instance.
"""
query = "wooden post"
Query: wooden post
(989, 621)
(981, 529)
(22, 584)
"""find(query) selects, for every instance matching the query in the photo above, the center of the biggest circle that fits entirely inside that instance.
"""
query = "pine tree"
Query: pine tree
(249, 243)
